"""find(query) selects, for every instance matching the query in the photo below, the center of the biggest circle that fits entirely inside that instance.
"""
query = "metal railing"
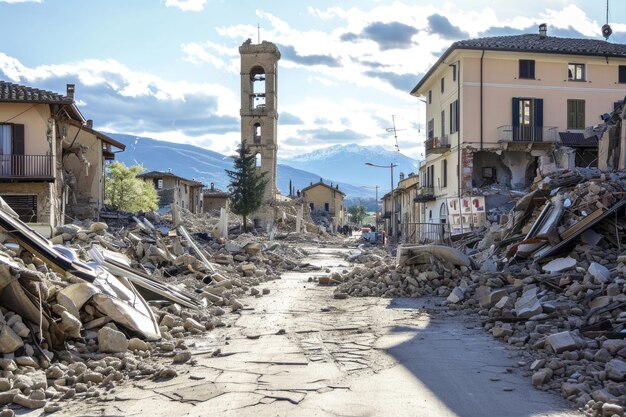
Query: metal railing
(426, 233)
(437, 144)
(27, 166)
(527, 134)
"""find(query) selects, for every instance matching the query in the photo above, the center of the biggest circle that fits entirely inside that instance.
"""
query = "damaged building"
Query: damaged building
(51, 159)
(503, 111)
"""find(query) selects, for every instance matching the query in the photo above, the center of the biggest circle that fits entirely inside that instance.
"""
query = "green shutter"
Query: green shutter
(571, 114)
(580, 114)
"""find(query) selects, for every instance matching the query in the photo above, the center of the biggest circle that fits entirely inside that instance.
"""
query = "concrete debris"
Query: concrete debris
(83, 316)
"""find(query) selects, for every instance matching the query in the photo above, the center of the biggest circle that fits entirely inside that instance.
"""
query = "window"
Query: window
(311, 206)
(158, 183)
(622, 74)
(326, 207)
(453, 72)
(454, 116)
(444, 173)
(527, 69)
(442, 85)
(443, 124)
(430, 96)
(431, 128)
(575, 114)
(257, 88)
(257, 160)
(25, 205)
(256, 134)
(576, 72)
(527, 119)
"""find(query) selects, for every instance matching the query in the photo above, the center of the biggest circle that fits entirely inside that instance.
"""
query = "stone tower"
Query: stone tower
(259, 115)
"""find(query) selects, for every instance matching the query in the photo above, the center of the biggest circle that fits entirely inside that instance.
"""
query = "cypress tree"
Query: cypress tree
(247, 184)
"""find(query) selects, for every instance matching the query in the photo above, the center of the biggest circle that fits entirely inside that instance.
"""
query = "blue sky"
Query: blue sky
(169, 69)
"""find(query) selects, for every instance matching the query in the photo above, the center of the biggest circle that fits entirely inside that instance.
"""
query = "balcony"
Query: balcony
(545, 134)
(437, 145)
(425, 194)
(26, 168)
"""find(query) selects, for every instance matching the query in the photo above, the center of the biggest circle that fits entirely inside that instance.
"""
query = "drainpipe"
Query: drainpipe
(481, 99)
(460, 174)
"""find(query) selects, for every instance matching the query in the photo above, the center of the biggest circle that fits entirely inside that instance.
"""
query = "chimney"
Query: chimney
(169, 170)
(212, 187)
(70, 91)
(90, 124)
(543, 31)
(321, 180)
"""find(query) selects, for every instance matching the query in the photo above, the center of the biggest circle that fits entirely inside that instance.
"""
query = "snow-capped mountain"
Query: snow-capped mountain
(346, 163)
(208, 167)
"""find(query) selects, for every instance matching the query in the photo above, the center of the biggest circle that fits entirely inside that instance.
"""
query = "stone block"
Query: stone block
(562, 342)
(616, 370)
(112, 341)
(9, 340)
(599, 272)
(528, 304)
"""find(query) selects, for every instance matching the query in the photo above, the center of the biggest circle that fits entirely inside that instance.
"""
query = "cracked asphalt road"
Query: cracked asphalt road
(299, 352)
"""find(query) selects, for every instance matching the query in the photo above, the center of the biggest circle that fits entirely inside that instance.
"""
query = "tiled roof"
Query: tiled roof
(323, 185)
(159, 174)
(578, 140)
(10, 92)
(532, 43)
(546, 44)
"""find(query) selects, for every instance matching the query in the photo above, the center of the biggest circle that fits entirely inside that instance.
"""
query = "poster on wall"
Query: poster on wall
(470, 213)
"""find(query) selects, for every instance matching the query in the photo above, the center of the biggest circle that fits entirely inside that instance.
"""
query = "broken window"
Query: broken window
(257, 88)
(454, 116)
(311, 206)
(326, 207)
(527, 119)
(576, 72)
(575, 114)
(431, 128)
(25, 205)
(158, 183)
(621, 75)
(527, 69)
(257, 133)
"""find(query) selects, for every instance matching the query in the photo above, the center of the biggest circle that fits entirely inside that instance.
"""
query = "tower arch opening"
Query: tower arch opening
(256, 133)
(257, 87)
(257, 159)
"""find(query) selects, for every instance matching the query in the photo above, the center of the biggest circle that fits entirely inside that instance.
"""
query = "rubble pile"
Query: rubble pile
(548, 279)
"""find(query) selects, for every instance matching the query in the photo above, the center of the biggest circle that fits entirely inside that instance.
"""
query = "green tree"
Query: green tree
(357, 213)
(247, 184)
(124, 191)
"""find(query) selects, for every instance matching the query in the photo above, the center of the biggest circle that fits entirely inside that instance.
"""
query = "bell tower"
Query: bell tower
(259, 115)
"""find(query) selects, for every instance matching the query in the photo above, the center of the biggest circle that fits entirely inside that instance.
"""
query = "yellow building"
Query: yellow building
(494, 110)
(49, 158)
(325, 198)
(214, 199)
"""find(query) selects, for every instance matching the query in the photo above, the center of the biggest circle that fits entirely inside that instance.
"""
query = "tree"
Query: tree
(247, 184)
(357, 213)
(124, 191)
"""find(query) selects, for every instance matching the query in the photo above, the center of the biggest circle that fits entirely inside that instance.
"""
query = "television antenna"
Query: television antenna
(395, 131)
(606, 28)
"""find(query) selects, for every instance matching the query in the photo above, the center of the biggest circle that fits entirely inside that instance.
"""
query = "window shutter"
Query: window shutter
(571, 114)
(515, 118)
(580, 116)
(18, 139)
(531, 67)
(622, 74)
(538, 110)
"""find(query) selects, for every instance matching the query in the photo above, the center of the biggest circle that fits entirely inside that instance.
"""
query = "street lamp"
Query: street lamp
(391, 166)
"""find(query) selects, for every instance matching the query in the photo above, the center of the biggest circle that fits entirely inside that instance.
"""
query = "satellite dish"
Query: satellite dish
(606, 31)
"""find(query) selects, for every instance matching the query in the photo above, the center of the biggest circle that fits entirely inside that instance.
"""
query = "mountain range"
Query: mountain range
(345, 165)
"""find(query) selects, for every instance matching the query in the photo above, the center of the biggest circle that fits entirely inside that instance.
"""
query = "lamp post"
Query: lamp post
(391, 166)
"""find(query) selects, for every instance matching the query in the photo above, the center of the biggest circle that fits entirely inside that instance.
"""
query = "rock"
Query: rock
(5, 384)
(70, 325)
(501, 332)
(537, 364)
(602, 355)
(26, 361)
(562, 342)
(39, 380)
(341, 295)
(491, 298)
(97, 227)
(21, 329)
(7, 412)
(457, 295)
(191, 324)
(266, 291)
(51, 408)
(614, 345)
(9, 340)
(541, 377)
(232, 247)
(8, 365)
(137, 344)
(236, 305)
(528, 304)
(254, 291)
(28, 402)
(112, 341)
(168, 320)
(599, 272)
(95, 377)
(611, 410)
(559, 264)
(182, 356)
(616, 370)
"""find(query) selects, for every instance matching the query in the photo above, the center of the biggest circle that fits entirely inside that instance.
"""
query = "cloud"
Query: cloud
(440, 25)
(502, 31)
(21, 1)
(187, 5)
(348, 37)
(289, 119)
(402, 82)
(119, 99)
(289, 52)
(394, 35)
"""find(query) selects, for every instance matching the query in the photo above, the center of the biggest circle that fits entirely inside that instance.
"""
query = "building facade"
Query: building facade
(173, 189)
(214, 199)
(494, 111)
(324, 198)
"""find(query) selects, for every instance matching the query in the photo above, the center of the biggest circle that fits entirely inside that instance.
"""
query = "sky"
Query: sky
(169, 69)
